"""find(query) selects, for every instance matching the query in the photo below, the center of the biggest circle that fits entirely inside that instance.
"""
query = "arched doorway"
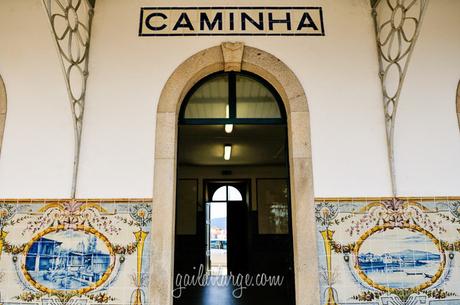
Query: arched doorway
(234, 57)
(232, 145)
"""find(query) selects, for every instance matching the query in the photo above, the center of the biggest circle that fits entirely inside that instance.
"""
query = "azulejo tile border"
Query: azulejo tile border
(85, 251)
(389, 250)
(84, 200)
(361, 199)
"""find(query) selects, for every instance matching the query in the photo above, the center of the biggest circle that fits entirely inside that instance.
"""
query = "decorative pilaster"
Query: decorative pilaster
(70, 24)
(327, 238)
(140, 238)
(397, 26)
(3, 235)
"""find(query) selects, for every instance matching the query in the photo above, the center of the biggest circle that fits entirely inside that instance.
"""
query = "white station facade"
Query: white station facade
(91, 101)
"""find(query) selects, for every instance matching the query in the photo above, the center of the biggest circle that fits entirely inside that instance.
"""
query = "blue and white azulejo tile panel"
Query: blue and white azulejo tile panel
(78, 252)
(389, 252)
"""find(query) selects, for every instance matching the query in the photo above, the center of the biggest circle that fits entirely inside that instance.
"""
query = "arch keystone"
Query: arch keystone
(233, 55)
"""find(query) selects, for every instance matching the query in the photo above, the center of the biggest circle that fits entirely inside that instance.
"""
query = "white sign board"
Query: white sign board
(234, 21)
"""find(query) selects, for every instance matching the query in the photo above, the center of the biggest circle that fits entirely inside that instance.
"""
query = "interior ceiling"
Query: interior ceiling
(254, 100)
(251, 145)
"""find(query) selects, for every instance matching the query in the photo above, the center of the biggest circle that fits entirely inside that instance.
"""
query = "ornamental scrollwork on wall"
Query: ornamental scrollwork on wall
(325, 213)
(142, 213)
(454, 207)
(3, 107)
(70, 22)
(458, 104)
(397, 26)
(7, 212)
(393, 213)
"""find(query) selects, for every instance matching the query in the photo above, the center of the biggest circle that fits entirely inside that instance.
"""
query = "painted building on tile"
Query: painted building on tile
(116, 115)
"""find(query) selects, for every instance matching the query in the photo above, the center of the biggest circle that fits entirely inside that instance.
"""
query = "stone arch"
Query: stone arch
(234, 57)
(2, 111)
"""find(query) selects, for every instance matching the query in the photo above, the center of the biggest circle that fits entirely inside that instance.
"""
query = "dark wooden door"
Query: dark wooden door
(237, 233)
(237, 237)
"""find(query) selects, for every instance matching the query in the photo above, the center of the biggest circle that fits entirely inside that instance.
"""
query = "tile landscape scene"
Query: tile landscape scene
(389, 252)
(74, 252)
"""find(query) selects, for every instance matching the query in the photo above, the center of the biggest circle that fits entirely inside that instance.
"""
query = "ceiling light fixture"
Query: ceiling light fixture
(228, 127)
(227, 151)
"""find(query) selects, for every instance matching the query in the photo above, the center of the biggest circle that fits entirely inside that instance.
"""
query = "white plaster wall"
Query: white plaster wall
(127, 73)
(338, 72)
(427, 139)
(37, 152)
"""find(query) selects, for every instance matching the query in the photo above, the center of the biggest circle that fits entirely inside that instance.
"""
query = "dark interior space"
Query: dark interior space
(258, 159)
(233, 212)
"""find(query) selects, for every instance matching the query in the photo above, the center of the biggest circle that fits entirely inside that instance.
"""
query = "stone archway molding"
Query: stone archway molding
(234, 57)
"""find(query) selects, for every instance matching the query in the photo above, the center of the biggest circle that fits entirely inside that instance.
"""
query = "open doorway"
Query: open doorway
(227, 232)
(217, 245)
(233, 212)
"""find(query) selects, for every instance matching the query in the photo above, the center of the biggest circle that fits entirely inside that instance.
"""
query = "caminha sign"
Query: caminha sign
(215, 21)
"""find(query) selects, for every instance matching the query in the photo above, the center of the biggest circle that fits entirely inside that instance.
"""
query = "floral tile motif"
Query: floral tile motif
(389, 252)
(74, 252)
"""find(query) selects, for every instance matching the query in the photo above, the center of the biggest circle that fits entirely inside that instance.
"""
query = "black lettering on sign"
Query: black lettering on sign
(272, 21)
(302, 24)
(231, 21)
(183, 22)
(204, 19)
(259, 25)
(149, 25)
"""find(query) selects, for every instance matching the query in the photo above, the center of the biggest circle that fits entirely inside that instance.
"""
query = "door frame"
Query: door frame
(247, 197)
(234, 57)
(206, 200)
